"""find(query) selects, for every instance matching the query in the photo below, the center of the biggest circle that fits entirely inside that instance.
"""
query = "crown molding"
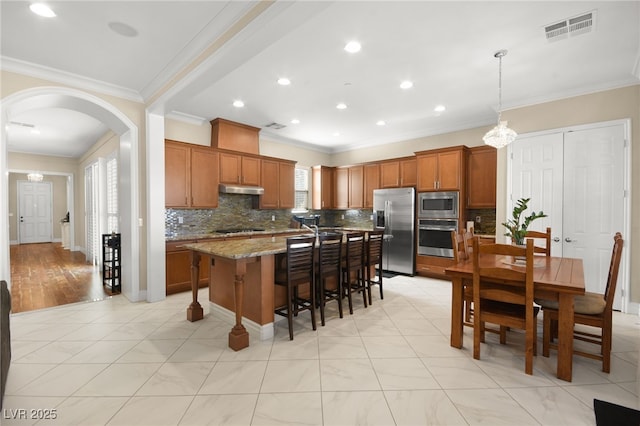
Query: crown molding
(187, 118)
(68, 79)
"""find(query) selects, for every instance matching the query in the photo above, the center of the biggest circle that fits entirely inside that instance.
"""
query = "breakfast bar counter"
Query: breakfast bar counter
(241, 281)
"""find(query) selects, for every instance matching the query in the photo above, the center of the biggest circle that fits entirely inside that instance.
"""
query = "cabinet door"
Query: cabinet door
(427, 172)
(176, 175)
(449, 170)
(408, 173)
(356, 187)
(230, 168)
(481, 178)
(204, 178)
(390, 174)
(371, 182)
(287, 178)
(342, 188)
(269, 200)
(250, 171)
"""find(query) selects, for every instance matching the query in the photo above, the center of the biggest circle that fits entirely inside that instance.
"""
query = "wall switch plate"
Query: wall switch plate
(273, 218)
(478, 219)
(342, 217)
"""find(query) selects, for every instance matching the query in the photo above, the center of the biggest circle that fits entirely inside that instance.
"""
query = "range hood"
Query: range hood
(240, 189)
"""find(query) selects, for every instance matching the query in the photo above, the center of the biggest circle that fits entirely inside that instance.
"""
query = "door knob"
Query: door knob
(568, 240)
(556, 239)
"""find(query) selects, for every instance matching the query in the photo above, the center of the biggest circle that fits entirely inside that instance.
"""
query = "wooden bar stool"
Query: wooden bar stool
(353, 278)
(373, 258)
(300, 271)
(329, 263)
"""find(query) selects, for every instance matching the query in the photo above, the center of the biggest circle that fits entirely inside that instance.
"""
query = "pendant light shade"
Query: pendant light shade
(501, 135)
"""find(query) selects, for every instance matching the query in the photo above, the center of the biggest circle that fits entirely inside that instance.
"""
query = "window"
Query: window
(302, 189)
(112, 193)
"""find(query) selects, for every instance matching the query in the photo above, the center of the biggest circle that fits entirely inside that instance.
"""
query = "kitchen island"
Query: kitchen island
(241, 281)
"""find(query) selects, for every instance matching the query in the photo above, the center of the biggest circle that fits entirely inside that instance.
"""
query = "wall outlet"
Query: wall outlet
(478, 219)
(180, 219)
(273, 218)
(342, 217)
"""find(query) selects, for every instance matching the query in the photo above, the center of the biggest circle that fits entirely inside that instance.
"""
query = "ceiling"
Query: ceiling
(191, 59)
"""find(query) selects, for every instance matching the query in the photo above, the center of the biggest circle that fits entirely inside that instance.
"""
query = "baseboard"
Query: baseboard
(265, 331)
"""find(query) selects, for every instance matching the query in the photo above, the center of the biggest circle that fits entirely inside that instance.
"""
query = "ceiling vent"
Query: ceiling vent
(275, 126)
(570, 27)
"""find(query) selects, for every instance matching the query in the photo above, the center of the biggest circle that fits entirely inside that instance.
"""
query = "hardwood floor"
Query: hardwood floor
(46, 275)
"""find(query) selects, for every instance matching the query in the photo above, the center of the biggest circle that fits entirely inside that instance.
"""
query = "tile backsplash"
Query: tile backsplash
(487, 223)
(238, 211)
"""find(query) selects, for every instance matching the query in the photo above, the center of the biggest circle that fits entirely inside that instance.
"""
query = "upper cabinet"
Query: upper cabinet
(481, 177)
(398, 173)
(441, 169)
(239, 169)
(234, 136)
(341, 193)
(191, 176)
(356, 187)
(322, 178)
(371, 182)
(278, 181)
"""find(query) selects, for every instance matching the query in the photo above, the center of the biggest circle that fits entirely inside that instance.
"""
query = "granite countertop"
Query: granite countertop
(242, 248)
(214, 235)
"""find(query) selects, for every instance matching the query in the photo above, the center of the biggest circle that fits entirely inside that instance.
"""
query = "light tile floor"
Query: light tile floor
(117, 363)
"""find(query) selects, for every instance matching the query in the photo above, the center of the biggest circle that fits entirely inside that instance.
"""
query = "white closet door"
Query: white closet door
(35, 220)
(594, 200)
(537, 174)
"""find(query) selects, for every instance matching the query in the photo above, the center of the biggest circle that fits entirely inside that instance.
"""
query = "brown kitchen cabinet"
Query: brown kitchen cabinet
(441, 169)
(356, 187)
(341, 193)
(234, 136)
(371, 182)
(239, 169)
(191, 176)
(178, 268)
(278, 181)
(322, 178)
(432, 266)
(398, 173)
(481, 177)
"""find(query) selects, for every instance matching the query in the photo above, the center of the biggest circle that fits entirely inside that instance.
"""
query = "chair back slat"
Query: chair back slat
(300, 259)
(459, 247)
(614, 266)
(546, 236)
(374, 254)
(355, 250)
(330, 253)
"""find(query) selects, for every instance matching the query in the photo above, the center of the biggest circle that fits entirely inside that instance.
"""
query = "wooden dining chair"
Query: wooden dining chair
(299, 271)
(537, 235)
(591, 309)
(329, 263)
(373, 258)
(353, 277)
(460, 253)
(503, 293)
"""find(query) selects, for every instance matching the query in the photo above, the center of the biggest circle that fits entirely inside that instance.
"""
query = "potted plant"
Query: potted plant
(517, 229)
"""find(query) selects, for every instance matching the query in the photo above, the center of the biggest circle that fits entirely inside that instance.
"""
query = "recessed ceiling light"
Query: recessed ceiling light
(341, 105)
(238, 104)
(123, 29)
(381, 123)
(336, 134)
(353, 47)
(295, 121)
(42, 9)
(406, 84)
(35, 131)
(284, 81)
(439, 108)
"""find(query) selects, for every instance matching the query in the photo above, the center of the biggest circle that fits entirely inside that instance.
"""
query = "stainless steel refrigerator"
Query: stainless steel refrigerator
(394, 212)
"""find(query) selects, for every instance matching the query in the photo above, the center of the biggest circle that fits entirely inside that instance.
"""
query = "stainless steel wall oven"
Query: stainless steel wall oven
(434, 237)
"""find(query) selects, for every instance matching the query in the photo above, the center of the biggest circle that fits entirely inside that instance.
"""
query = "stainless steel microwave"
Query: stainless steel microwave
(439, 205)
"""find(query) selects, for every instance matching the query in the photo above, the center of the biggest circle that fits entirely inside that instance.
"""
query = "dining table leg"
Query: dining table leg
(194, 311)
(457, 303)
(565, 336)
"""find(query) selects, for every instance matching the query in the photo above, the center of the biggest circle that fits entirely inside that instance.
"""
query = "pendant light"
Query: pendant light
(500, 136)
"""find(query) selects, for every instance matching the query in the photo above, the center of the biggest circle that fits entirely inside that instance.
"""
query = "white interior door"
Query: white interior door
(594, 200)
(35, 220)
(537, 174)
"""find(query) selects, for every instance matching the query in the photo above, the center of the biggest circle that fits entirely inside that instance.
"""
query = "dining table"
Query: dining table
(555, 278)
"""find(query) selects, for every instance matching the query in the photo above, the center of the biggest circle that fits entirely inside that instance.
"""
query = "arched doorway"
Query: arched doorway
(119, 123)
